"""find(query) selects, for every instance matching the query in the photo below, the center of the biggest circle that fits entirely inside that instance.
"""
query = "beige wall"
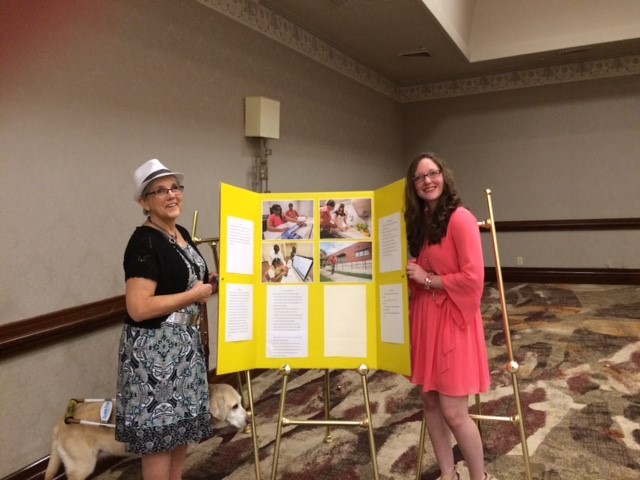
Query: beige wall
(89, 95)
(568, 151)
(89, 90)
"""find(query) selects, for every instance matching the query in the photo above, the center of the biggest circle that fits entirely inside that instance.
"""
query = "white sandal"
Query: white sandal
(451, 476)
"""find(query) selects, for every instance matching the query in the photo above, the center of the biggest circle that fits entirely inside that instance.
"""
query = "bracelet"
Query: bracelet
(427, 280)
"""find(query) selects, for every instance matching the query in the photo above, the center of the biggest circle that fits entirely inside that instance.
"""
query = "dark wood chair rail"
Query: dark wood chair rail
(20, 336)
(576, 225)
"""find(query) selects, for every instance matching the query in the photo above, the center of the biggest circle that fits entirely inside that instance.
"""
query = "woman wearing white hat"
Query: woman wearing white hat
(162, 396)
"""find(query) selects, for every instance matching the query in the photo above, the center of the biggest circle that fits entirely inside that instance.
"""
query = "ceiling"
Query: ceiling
(376, 33)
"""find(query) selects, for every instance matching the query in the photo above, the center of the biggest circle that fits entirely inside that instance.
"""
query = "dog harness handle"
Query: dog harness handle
(105, 411)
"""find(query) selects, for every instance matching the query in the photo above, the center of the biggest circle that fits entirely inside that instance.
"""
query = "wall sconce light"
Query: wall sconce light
(261, 120)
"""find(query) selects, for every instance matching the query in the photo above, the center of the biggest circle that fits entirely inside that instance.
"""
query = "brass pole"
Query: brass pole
(423, 430)
(327, 406)
(204, 324)
(512, 366)
(479, 412)
(363, 370)
(285, 371)
(254, 433)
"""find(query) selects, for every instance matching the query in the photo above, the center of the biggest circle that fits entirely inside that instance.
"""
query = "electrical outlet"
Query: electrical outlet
(519, 261)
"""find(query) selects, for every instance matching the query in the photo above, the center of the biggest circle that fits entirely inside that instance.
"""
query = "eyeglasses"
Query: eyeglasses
(163, 192)
(431, 175)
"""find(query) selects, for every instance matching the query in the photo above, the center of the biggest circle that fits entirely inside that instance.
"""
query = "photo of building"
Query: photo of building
(346, 261)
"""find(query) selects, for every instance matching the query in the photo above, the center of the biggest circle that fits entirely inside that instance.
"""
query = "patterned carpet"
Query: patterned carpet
(579, 352)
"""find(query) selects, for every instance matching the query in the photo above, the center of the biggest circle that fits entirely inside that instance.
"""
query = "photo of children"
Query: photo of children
(287, 262)
(287, 219)
(346, 218)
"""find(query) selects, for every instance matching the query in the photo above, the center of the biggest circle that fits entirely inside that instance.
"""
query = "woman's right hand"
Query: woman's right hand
(415, 272)
(202, 291)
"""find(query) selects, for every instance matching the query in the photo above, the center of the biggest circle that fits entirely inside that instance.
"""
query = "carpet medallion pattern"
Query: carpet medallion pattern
(578, 347)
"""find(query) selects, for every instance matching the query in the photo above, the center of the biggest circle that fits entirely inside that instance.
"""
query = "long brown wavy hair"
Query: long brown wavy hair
(421, 224)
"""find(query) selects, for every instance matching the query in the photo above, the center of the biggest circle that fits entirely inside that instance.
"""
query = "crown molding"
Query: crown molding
(270, 24)
(261, 19)
(574, 72)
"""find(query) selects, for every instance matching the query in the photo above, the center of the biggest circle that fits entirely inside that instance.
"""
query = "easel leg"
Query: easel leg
(423, 431)
(520, 422)
(245, 403)
(367, 422)
(512, 366)
(240, 389)
(327, 405)
(254, 434)
(284, 371)
(479, 412)
(363, 370)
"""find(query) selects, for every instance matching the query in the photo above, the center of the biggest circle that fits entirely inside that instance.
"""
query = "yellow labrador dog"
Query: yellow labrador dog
(78, 446)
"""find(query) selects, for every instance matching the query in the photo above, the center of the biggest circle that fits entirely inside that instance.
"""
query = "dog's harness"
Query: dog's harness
(105, 412)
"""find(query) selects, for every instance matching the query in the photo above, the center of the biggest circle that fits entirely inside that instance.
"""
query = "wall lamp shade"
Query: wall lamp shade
(262, 117)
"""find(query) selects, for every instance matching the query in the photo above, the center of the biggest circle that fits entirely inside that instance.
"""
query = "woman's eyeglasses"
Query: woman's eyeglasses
(163, 192)
(431, 175)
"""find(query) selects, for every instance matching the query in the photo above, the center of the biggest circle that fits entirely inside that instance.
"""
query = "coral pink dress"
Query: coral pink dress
(448, 351)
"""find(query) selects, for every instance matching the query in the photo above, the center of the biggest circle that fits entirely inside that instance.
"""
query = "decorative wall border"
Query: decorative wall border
(270, 24)
(263, 20)
(574, 72)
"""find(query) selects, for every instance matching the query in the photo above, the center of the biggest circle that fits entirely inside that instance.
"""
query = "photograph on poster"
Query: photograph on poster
(346, 261)
(287, 219)
(345, 218)
(287, 262)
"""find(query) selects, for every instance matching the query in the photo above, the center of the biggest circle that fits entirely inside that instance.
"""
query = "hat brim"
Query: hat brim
(138, 195)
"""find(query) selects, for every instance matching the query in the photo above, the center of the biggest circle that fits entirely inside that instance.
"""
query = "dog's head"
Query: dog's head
(226, 405)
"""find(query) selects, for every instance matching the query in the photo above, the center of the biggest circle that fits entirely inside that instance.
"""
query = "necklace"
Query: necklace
(172, 237)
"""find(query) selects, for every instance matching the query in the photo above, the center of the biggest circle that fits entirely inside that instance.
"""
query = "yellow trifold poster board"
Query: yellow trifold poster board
(313, 280)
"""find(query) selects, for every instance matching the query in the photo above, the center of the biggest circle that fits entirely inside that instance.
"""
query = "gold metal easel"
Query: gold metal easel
(204, 334)
(252, 418)
(512, 366)
(363, 370)
(204, 325)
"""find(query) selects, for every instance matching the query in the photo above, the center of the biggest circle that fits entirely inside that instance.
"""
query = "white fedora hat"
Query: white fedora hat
(148, 172)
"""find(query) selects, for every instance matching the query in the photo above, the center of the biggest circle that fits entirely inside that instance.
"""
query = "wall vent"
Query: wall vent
(415, 54)
(574, 51)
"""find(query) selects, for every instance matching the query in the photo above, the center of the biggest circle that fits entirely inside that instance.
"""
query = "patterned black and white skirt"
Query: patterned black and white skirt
(162, 400)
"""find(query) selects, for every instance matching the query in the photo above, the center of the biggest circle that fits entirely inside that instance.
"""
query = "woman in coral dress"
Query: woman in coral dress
(448, 352)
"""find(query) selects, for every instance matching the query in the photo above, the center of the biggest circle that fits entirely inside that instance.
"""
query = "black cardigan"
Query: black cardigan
(149, 254)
